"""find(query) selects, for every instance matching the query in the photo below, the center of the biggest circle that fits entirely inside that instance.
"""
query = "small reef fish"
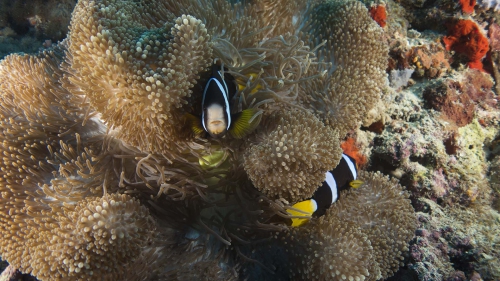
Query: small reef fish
(216, 117)
(336, 180)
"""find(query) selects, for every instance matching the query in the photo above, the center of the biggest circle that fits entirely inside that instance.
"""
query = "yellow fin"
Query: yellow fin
(213, 160)
(194, 124)
(242, 84)
(307, 208)
(245, 122)
(356, 183)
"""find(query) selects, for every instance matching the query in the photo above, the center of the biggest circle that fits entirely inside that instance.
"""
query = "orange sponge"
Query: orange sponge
(349, 147)
(466, 38)
(379, 15)
(467, 6)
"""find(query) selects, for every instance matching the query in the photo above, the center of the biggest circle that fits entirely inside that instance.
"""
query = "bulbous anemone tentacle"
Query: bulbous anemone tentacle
(356, 47)
(383, 212)
(139, 79)
(292, 157)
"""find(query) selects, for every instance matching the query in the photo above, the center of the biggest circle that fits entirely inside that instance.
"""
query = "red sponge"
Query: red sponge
(379, 15)
(466, 38)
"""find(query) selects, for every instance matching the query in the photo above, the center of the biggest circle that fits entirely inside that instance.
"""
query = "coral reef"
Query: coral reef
(466, 38)
(468, 6)
(102, 177)
(489, 4)
(444, 96)
(101, 117)
(451, 244)
(440, 138)
(110, 124)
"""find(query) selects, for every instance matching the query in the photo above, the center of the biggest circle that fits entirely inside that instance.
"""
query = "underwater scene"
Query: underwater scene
(250, 140)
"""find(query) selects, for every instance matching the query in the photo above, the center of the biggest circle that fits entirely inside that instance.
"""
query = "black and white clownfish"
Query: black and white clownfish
(336, 180)
(216, 117)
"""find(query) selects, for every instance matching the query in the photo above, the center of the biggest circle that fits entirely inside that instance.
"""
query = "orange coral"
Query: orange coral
(466, 38)
(467, 6)
(379, 15)
(349, 147)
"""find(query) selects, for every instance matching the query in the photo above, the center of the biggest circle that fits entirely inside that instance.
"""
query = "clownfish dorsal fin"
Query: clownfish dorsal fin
(245, 122)
(304, 211)
(194, 124)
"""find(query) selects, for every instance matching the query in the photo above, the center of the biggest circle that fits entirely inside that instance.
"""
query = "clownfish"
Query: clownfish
(216, 117)
(336, 180)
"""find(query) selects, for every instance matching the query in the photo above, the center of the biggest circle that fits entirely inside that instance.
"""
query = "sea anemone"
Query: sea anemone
(102, 176)
(291, 160)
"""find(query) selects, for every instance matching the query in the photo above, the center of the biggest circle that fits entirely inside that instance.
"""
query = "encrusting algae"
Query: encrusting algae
(103, 178)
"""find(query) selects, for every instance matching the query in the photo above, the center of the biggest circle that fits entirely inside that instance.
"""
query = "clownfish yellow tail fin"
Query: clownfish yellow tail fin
(245, 122)
(356, 183)
(303, 212)
(194, 124)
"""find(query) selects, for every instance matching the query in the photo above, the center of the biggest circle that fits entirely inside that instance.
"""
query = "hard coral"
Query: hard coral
(494, 36)
(446, 98)
(455, 243)
(478, 86)
(430, 60)
(466, 38)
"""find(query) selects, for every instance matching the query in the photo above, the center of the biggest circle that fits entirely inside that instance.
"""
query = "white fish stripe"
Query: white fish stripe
(224, 93)
(225, 100)
(203, 120)
(225, 85)
(315, 205)
(351, 165)
(203, 102)
(333, 186)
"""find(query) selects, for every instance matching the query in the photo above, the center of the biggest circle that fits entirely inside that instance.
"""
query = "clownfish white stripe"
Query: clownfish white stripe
(203, 117)
(330, 181)
(315, 205)
(216, 114)
(225, 85)
(351, 165)
(336, 181)
(225, 95)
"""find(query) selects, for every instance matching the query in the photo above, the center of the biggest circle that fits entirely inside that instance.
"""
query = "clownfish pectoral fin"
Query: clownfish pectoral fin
(194, 124)
(356, 183)
(307, 208)
(245, 122)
